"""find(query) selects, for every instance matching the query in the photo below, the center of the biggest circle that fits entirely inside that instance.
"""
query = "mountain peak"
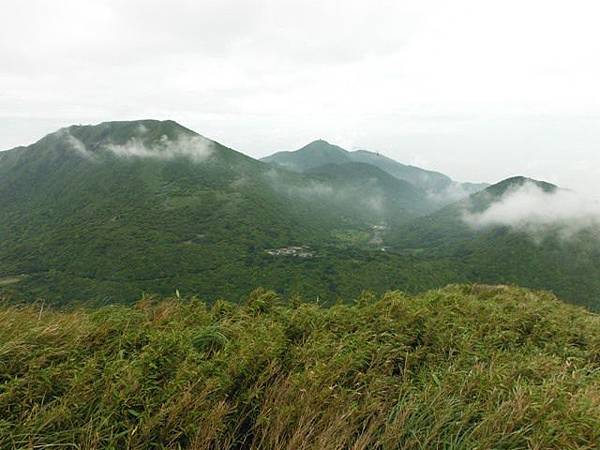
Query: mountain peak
(316, 153)
(516, 182)
(481, 200)
(323, 146)
(321, 152)
(319, 142)
(118, 131)
(137, 139)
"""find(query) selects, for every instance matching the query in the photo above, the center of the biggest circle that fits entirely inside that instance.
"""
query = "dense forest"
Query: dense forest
(104, 213)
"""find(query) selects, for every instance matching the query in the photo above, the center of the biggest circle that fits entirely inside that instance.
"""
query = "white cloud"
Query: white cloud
(196, 148)
(531, 209)
(478, 89)
(76, 144)
(318, 191)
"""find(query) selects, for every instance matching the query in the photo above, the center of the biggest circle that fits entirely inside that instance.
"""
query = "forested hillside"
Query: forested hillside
(537, 258)
(440, 188)
(112, 210)
(104, 213)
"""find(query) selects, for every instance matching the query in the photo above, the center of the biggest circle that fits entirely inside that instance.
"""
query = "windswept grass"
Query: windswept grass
(462, 367)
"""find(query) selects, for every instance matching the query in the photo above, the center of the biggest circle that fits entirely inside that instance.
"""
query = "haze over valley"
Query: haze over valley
(113, 210)
(317, 225)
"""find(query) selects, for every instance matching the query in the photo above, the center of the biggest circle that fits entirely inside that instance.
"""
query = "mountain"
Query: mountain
(102, 213)
(497, 190)
(315, 154)
(441, 188)
(112, 210)
(369, 189)
(117, 208)
(534, 256)
(447, 225)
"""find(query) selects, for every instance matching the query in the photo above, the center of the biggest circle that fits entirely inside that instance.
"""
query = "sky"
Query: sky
(477, 89)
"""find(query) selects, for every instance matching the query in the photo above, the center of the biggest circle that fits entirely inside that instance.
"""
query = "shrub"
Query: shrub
(458, 368)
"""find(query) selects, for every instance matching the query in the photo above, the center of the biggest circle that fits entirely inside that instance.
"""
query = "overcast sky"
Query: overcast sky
(479, 89)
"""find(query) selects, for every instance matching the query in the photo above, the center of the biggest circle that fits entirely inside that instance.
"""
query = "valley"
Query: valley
(106, 213)
(299, 225)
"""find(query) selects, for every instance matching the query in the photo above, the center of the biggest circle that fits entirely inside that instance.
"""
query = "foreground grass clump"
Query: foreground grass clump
(462, 367)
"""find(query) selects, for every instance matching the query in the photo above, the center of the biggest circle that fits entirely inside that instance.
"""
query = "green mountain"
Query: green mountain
(498, 190)
(533, 257)
(315, 154)
(121, 207)
(109, 211)
(104, 213)
(441, 188)
(369, 189)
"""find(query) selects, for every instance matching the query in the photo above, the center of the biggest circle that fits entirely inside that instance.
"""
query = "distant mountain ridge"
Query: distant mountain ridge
(317, 153)
(364, 183)
(115, 209)
(106, 212)
(503, 254)
(320, 152)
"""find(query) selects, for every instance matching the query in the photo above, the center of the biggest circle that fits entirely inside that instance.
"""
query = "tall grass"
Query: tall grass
(463, 367)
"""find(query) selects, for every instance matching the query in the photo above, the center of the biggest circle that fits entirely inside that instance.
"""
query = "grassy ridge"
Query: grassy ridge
(462, 367)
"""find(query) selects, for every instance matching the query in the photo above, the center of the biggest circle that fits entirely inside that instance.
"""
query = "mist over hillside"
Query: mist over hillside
(287, 225)
(440, 188)
(102, 213)
(537, 210)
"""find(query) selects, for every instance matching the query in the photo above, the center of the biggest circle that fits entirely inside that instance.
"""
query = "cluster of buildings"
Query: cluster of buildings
(299, 252)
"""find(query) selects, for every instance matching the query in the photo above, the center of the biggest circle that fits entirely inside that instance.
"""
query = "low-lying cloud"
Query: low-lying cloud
(75, 144)
(196, 148)
(531, 209)
(454, 192)
(322, 191)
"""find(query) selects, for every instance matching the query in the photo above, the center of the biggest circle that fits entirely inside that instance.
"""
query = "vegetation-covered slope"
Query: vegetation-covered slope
(427, 179)
(107, 212)
(112, 210)
(317, 153)
(119, 206)
(464, 367)
(373, 192)
(501, 254)
(440, 187)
